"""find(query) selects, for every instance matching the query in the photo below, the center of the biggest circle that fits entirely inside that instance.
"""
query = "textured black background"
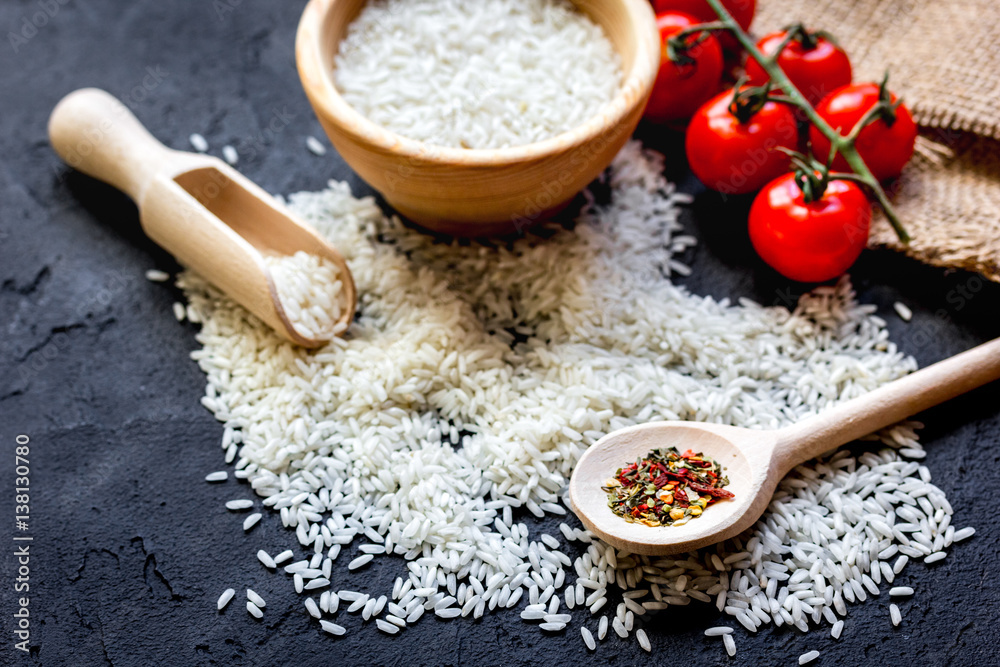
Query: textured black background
(132, 548)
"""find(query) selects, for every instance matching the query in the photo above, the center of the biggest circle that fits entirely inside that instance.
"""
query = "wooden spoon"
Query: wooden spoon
(205, 213)
(755, 461)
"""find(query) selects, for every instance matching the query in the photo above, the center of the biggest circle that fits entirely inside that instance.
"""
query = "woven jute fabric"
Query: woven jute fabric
(943, 55)
(944, 60)
(950, 206)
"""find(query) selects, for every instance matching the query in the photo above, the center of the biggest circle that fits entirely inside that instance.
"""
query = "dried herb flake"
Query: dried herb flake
(666, 487)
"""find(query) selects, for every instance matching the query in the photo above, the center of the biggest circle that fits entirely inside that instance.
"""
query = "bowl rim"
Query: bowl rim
(317, 81)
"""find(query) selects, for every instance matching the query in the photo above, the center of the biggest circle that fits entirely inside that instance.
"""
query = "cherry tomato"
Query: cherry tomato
(809, 242)
(742, 11)
(737, 157)
(681, 88)
(814, 64)
(885, 148)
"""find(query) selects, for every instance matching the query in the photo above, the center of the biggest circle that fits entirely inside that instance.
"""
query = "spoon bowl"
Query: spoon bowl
(746, 457)
(755, 460)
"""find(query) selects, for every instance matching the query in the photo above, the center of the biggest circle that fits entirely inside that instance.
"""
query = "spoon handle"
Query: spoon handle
(889, 404)
(94, 132)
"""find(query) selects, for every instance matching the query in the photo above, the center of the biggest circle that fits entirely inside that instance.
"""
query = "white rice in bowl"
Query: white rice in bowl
(476, 74)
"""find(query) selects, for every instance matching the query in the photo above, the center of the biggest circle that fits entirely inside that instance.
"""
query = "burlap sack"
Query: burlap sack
(944, 60)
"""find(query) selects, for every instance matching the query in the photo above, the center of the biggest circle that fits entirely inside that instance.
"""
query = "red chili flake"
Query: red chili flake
(636, 498)
(711, 490)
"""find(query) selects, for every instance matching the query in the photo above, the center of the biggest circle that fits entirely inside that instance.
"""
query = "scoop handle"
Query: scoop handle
(94, 132)
(890, 403)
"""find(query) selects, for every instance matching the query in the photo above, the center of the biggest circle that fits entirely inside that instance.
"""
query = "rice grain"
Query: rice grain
(224, 599)
(808, 657)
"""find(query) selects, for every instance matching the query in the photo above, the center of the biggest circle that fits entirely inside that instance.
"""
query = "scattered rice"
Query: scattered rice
(588, 638)
(806, 658)
(157, 276)
(310, 292)
(316, 583)
(256, 599)
(254, 610)
(198, 142)
(315, 147)
(224, 599)
(237, 505)
(220, 476)
(312, 608)
(387, 627)
(476, 75)
(332, 628)
(935, 557)
(438, 417)
(640, 635)
(900, 591)
(251, 521)
(903, 311)
(264, 558)
(179, 312)
(719, 630)
(963, 534)
(894, 614)
(730, 644)
(360, 561)
(837, 628)
(230, 155)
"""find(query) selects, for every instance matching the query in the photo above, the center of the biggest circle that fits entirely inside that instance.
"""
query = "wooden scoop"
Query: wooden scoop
(755, 461)
(205, 213)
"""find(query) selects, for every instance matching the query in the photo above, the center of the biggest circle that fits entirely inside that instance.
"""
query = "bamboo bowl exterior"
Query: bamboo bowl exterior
(479, 192)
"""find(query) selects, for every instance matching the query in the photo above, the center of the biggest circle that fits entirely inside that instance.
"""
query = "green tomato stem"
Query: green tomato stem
(873, 114)
(844, 146)
(700, 28)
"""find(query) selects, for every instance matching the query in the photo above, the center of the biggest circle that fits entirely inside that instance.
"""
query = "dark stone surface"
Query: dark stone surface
(131, 548)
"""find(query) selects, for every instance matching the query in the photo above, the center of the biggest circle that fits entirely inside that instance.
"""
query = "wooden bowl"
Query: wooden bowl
(483, 191)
